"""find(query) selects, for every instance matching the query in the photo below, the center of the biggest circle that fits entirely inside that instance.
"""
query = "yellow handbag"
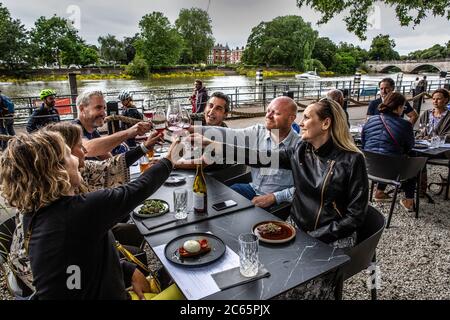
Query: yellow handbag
(155, 285)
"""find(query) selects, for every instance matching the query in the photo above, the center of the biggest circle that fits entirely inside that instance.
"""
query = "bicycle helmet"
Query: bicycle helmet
(124, 95)
(47, 93)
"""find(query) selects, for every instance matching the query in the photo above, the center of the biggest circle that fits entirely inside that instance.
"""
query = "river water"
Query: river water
(62, 87)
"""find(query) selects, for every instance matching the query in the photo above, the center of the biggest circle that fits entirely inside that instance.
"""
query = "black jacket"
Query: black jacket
(73, 234)
(331, 187)
(41, 117)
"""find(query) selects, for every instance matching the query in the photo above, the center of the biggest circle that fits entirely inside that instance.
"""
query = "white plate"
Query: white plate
(280, 223)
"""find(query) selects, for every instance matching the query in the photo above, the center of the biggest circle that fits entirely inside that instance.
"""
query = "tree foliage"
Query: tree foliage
(349, 58)
(112, 50)
(358, 11)
(286, 40)
(194, 25)
(159, 42)
(325, 51)
(14, 46)
(54, 39)
(435, 52)
(382, 48)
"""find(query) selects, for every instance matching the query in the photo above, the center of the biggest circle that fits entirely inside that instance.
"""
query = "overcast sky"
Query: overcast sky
(232, 20)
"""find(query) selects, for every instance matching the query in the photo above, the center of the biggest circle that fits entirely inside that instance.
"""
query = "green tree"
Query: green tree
(194, 25)
(159, 42)
(382, 48)
(357, 11)
(286, 40)
(435, 52)
(53, 39)
(325, 51)
(349, 58)
(88, 55)
(14, 45)
(130, 51)
(345, 63)
(112, 50)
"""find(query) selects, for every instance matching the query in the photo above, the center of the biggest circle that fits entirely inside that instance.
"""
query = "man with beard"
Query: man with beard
(47, 112)
(387, 85)
(91, 115)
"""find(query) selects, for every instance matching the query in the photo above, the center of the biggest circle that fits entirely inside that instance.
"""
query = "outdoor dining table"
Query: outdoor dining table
(290, 264)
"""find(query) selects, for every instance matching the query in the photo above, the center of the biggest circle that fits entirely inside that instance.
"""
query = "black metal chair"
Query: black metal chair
(363, 254)
(444, 185)
(394, 170)
(7, 226)
(235, 171)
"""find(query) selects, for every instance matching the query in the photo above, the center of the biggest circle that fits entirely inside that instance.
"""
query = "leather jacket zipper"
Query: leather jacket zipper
(322, 192)
(337, 210)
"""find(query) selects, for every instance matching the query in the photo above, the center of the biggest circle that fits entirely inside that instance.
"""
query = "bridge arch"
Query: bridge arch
(391, 67)
(419, 67)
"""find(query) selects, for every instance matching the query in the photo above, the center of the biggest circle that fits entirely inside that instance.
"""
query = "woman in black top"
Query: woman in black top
(330, 177)
(70, 246)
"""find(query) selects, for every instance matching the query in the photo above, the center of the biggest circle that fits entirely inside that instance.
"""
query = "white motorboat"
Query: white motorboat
(308, 75)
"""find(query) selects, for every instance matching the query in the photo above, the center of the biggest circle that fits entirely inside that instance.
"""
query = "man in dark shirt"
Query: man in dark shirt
(91, 115)
(201, 96)
(216, 111)
(387, 85)
(46, 113)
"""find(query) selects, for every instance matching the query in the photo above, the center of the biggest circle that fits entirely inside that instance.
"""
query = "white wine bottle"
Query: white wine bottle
(199, 191)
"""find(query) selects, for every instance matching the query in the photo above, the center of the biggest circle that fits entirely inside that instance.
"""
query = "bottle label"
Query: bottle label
(199, 201)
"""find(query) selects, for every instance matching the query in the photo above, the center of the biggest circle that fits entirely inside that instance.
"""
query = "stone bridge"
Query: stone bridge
(408, 66)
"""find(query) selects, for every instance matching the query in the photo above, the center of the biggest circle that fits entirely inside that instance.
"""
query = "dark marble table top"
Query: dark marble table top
(290, 264)
(217, 192)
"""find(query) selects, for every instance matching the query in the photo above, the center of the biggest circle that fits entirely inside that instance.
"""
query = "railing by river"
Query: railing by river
(240, 96)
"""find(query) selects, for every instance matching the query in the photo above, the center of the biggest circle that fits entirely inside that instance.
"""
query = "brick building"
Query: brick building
(220, 54)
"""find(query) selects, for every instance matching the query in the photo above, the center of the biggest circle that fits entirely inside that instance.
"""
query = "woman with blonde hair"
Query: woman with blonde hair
(330, 177)
(331, 185)
(67, 236)
(96, 175)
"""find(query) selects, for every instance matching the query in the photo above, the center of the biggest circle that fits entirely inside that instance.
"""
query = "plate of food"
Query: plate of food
(152, 208)
(274, 231)
(195, 249)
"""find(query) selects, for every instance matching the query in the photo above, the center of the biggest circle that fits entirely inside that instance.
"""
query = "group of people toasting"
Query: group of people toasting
(68, 205)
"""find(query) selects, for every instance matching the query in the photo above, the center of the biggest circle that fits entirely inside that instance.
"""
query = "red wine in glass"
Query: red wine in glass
(148, 114)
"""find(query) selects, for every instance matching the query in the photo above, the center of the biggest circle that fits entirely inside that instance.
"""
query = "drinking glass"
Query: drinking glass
(174, 117)
(159, 122)
(149, 104)
(248, 254)
(435, 141)
(180, 201)
(144, 164)
(185, 119)
(442, 141)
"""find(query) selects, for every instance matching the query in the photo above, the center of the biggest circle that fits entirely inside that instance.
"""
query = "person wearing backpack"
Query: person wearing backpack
(6, 118)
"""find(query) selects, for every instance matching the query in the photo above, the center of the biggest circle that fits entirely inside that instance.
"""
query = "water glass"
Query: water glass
(248, 254)
(180, 201)
(441, 140)
(435, 142)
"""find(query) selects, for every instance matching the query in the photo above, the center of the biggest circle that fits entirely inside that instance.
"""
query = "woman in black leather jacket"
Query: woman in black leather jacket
(329, 171)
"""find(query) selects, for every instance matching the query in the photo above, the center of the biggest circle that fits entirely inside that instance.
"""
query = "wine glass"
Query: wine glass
(159, 122)
(174, 117)
(149, 104)
(185, 119)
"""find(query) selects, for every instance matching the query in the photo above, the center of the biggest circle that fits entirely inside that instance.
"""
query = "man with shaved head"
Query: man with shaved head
(269, 186)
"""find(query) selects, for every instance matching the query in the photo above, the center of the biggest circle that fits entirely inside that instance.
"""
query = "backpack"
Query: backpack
(7, 103)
